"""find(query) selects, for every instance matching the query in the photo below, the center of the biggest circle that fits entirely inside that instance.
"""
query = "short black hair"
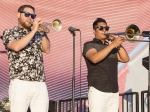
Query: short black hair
(97, 21)
(21, 8)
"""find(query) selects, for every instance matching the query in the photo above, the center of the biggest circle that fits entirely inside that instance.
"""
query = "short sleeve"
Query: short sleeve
(87, 46)
(7, 37)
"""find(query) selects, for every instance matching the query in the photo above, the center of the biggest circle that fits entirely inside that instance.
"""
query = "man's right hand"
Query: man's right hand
(117, 41)
(36, 24)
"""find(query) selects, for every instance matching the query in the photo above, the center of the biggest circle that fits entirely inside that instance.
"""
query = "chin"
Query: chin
(103, 37)
(28, 26)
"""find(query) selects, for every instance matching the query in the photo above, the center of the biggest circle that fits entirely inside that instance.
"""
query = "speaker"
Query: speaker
(52, 106)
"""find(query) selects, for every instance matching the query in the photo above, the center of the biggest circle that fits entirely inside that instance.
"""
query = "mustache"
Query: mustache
(31, 22)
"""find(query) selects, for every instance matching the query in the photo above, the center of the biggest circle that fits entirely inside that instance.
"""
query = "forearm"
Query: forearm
(17, 45)
(97, 57)
(123, 55)
(45, 47)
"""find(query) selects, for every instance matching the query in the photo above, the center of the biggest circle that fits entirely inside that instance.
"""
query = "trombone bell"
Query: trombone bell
(132, 32)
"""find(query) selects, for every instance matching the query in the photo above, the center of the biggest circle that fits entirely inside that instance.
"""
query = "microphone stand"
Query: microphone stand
(73, 75)
(149, 78)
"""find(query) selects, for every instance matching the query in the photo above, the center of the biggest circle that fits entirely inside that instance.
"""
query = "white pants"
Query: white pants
(102, 101)
(23, 94)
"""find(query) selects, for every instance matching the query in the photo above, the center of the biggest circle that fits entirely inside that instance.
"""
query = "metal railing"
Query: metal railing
(142, 100)
(81, 104)
(130, 106)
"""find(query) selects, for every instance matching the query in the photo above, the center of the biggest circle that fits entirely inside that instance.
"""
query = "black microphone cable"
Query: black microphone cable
(80, 69)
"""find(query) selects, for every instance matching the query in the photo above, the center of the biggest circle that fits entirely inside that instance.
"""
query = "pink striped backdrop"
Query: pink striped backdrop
(80, 14)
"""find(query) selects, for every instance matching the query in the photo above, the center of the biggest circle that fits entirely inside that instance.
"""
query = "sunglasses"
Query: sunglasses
(27, 14)
(102, 28)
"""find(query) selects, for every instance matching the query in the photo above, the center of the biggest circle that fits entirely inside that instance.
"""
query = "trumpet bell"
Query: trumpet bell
(45, 27)
(56, 25)
(132, 32)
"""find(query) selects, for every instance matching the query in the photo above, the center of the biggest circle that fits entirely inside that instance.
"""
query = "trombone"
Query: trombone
(132, 33)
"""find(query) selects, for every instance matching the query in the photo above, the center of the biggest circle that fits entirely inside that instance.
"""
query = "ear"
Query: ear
(18, 15)
(94, 31)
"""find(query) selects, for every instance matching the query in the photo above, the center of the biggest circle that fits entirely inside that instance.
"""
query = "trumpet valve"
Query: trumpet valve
(44, 27)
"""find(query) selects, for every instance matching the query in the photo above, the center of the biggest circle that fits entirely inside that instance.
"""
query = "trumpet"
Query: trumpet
(132, 33)
(45, 27)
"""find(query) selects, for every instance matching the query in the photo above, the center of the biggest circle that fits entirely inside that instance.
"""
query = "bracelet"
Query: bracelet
(42, 33)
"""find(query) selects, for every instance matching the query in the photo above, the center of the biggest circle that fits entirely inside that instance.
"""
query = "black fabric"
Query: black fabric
(102, 75)
(52, 106)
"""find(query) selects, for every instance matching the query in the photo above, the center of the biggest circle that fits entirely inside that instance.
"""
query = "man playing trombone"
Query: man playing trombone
(25, 45)
(102, 59)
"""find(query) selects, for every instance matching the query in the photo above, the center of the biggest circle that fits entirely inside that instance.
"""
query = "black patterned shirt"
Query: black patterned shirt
(104, 74)
(26, 64)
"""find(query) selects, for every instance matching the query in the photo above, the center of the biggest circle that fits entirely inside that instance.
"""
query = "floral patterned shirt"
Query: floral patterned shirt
(26, 64)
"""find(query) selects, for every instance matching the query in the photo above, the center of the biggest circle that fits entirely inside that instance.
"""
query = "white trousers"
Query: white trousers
(102, 101)
(23, 94)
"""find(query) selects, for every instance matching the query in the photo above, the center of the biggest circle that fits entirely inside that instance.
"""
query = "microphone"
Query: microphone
(72, 29)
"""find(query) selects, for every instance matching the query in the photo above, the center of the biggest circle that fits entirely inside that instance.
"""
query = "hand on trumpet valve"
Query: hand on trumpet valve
(35, 23)
(40, 26)
(43, 27)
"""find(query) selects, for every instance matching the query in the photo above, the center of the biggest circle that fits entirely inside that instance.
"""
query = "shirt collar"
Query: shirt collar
(16, 28)
(99, 41)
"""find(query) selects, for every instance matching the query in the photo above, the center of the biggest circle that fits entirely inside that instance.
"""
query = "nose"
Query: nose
(104, 29)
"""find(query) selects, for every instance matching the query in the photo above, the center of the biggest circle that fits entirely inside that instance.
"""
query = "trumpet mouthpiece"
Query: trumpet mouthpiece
(30, 22)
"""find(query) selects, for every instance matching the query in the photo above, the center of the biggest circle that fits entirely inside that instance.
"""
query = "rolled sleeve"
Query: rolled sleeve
(7, 37)
(87, 46)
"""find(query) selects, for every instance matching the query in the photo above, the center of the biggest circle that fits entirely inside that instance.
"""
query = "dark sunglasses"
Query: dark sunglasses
(102, 28)
(27, 14)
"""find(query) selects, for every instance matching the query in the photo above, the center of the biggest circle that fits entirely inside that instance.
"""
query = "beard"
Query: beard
(26, 25)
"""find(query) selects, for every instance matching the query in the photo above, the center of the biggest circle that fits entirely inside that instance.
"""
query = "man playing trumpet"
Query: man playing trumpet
(25, 45)
(102, 60)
